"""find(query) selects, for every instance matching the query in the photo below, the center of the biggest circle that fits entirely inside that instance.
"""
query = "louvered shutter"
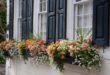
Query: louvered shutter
(11, 18)
(51, 23)
(56, 27)
(29, 17)
(101, 22)
(61, 19)
(24, 19)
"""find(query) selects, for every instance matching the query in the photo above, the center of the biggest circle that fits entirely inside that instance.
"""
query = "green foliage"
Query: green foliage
(3, 26)
(83, 33)
(2, 60)
(88, 59)
(1, 38)
(3, 14)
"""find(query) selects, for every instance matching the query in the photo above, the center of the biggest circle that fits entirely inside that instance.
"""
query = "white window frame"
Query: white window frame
(76, 3)
(19, 20)
(40, 27)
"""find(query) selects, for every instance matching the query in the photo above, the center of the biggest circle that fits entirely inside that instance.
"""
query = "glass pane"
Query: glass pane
(20, 8)
(79, 22)
(87, 8)
(40, 7)
(44, 23)
(86, 22)
(90, 21)
(80, 9)
(41, 0)
(44, 6)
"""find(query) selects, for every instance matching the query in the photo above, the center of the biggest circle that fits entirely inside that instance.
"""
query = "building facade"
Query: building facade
(59, 19)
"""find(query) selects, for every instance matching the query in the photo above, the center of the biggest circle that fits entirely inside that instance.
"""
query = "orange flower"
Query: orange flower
(8, 46)
(30, 42)
(49, 50)
(32, 48)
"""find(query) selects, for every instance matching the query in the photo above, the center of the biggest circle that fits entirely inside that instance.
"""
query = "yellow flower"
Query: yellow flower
(21, 45)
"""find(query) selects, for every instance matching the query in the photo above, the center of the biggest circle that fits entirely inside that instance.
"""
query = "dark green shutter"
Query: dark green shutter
(27, 18)
(61, 19)
(24, 20)
(11, 18)
(101, 22)
(56, 27)
(51, 26)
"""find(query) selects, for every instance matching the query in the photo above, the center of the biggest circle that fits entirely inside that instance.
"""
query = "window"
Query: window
(83, 17)
(42, 18)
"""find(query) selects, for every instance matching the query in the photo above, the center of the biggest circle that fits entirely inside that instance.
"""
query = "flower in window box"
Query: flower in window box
(84, 46)
(6, 47)
(57, 52)
(85, 55)
(41, 42)
(89, 40)
(22, 49)
(30, 42)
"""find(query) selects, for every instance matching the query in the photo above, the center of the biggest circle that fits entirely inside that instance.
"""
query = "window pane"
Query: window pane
(44, 6)
(90, 20)
(80, 9)
(40, 7)
(86, 22)
(79, 21)
(42, 25)
(87, 8)
(41, 0)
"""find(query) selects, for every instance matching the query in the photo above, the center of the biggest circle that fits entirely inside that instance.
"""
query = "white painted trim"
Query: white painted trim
(7, 18)
(83, 1)
(35, 17)
(70, 19)
(16, 23)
